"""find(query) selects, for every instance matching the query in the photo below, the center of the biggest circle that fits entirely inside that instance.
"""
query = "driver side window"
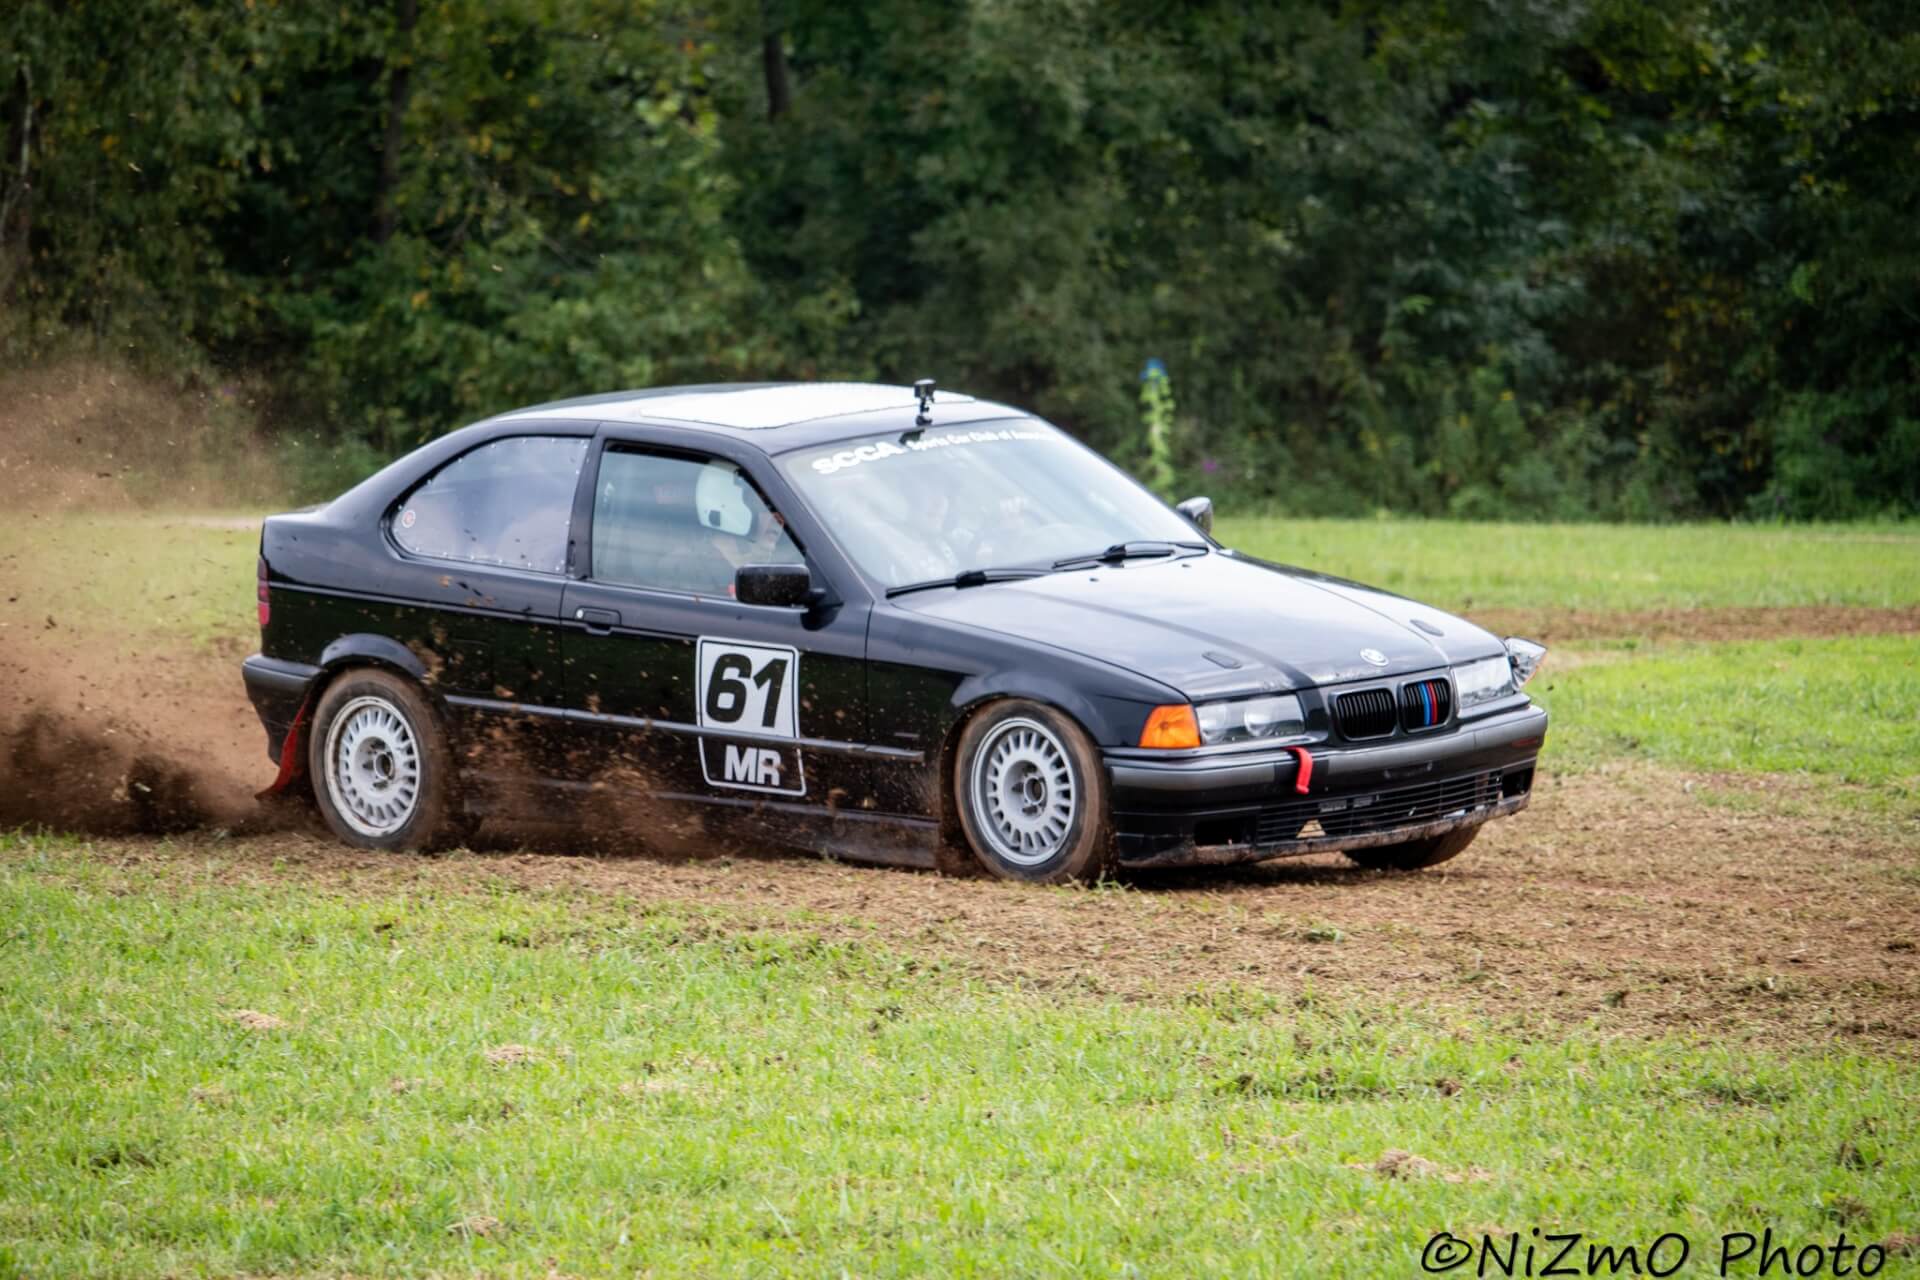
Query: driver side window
(677, 523)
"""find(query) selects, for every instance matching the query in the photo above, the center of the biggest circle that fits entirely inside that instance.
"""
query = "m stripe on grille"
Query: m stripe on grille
(1425, 704)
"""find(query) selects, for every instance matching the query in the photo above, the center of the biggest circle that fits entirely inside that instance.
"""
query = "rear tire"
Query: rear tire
(382, 774)
(1414, 855)
(1030, 791)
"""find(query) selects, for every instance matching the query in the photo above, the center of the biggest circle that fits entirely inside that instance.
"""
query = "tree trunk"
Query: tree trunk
(773, 61)
(16, 195)
(399, 88)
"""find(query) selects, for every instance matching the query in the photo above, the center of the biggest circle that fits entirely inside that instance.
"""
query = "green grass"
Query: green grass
(1602, 567)
(1841, 709)
(706, 1099)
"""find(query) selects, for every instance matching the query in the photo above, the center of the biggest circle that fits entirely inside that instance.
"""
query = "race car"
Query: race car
(887, 623)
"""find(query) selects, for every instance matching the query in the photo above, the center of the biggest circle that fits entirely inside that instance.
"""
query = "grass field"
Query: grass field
(1600, 567)
(1846, 709)
(1680, 995)
(165, 579)
(193, 574)
(218, 1079)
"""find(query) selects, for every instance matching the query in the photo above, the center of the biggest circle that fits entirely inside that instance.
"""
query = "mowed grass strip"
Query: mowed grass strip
(1466, 566)
(273, 1079)
(159, 578)
(1844, 710)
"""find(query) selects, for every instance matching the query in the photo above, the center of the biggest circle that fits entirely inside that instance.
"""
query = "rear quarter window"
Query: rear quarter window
(506, 503)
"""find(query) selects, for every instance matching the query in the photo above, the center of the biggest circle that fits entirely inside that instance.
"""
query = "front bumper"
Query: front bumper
(277, 690)
(1203, 808)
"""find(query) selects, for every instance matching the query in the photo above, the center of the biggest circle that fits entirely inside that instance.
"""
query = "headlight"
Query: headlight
(1479, 683)
(1526, 656)
(1250, 719)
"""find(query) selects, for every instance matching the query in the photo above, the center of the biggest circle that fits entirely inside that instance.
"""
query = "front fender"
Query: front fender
(1108, 720)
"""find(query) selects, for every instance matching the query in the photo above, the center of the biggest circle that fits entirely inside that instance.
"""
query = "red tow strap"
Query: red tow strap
(1304, 774)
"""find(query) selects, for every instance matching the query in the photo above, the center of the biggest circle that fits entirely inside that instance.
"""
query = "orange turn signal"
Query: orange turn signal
(1171, 727)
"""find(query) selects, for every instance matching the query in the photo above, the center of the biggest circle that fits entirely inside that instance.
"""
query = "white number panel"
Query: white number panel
(751, 691)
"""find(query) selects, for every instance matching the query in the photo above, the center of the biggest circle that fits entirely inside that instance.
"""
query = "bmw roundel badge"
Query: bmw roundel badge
(1374, 656)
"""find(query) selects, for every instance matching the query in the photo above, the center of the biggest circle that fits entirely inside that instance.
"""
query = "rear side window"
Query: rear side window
(507, 503)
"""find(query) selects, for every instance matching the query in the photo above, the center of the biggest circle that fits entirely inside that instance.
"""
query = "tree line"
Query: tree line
(1496, 258)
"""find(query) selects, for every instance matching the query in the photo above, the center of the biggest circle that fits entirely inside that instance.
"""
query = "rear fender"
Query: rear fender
(346, 653)
(363, 649)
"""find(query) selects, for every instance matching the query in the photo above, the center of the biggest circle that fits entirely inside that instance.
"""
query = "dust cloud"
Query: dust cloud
(111, 735)
(84, 435)
(103, 744)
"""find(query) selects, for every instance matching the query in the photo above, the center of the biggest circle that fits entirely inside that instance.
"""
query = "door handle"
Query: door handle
(599, 622)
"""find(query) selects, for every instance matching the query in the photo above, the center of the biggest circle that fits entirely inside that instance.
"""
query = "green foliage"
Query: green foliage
(1156, 421)
(553, 221)
(129, 128)
(315, 468)
(1612, 258)
(1835, 454)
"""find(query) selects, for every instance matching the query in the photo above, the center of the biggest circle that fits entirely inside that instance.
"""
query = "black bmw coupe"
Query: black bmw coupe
(877, 621)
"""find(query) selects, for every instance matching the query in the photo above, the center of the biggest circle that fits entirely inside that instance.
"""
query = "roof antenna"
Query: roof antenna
(923, 391)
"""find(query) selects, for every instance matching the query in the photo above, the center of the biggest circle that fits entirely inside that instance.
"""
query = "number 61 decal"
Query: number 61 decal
(749, 689)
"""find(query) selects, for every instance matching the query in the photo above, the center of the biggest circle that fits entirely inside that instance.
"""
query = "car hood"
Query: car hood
(1219, 624)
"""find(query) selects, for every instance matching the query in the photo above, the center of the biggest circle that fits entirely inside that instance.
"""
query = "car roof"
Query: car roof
(779, 415)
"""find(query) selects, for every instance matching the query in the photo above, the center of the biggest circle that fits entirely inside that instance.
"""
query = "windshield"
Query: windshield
(916, 507)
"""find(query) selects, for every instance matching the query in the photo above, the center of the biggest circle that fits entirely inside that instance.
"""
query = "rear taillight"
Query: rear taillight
(266, 604)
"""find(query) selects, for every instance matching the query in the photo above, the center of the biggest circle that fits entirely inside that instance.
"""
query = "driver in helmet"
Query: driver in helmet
(736, 528)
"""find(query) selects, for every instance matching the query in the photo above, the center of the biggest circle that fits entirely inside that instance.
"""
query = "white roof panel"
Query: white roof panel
(776, 406)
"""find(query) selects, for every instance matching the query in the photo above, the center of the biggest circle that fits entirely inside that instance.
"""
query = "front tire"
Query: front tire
(1031, 794)
(1414, 854)
(381, 770)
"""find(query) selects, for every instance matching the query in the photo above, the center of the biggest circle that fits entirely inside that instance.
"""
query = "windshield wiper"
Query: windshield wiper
(966, 578)
(1137, 549)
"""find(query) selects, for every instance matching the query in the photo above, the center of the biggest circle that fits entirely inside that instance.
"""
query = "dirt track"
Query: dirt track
(1627, 900)
(1702, 626)
(1637, 900)
(112, 739)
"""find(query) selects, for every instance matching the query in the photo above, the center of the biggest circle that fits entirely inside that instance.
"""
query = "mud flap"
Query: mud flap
(292, 757)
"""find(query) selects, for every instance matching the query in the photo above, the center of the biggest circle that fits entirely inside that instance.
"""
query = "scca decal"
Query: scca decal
(854, 457)
(840, 460)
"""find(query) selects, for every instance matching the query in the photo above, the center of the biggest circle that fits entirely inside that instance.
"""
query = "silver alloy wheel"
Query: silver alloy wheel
(373, 766)
(1023, 792)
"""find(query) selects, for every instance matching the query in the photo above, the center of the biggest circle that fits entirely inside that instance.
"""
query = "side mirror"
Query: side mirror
(1199, 513)
(776, 584)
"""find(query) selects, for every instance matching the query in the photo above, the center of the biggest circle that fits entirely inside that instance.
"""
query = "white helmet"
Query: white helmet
(720, 496)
